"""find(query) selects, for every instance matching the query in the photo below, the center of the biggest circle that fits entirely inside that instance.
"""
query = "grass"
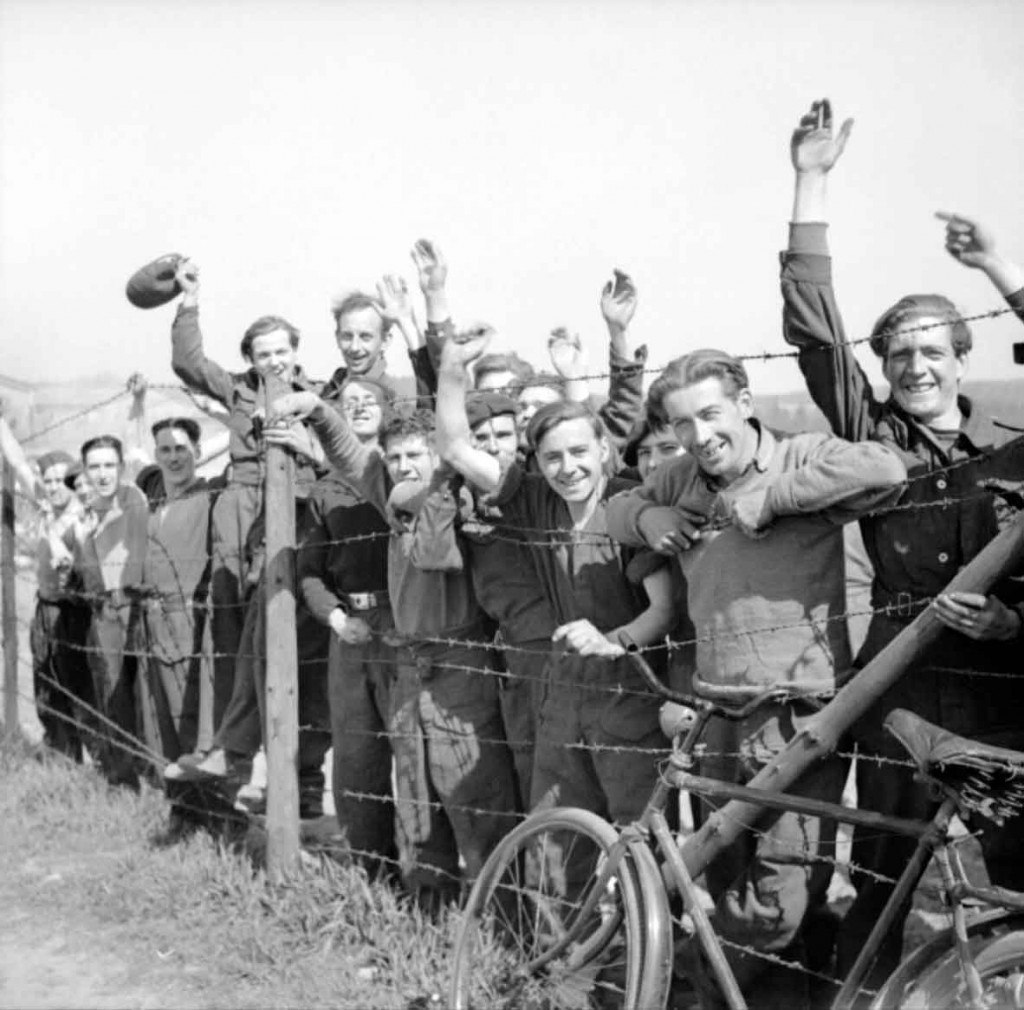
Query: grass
(199, 923)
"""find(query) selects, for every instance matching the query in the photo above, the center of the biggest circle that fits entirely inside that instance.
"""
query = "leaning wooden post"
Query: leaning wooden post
(281, 653)
(822, 733)
(10, 603)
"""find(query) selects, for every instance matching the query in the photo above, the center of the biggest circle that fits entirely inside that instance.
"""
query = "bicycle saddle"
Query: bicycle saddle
(987, 779)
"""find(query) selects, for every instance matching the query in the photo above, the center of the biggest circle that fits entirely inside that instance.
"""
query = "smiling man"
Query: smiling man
(945, 440)
(455, 789)
(754, 518)
(108, 547)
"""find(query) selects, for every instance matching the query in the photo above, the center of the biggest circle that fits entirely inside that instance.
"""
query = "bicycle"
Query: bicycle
(531, 938)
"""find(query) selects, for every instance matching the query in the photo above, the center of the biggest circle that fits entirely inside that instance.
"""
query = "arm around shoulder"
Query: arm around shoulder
(830, 473)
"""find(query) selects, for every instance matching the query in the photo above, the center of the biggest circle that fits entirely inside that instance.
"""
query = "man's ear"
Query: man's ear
(745, 400)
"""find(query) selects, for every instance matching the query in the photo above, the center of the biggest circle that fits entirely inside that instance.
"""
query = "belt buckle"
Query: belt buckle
(361, 601)
(904, 606)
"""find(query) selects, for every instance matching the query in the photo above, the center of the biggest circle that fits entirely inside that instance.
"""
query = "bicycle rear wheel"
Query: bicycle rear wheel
(931, 978)
(523, 942)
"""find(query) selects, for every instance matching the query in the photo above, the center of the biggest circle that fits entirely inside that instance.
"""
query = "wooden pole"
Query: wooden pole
(281, 653)
(10, 603)
(822, 733)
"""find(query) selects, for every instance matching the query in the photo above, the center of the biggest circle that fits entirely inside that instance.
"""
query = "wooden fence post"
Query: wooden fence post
(281, 653)
(8, 592)
(821, 734)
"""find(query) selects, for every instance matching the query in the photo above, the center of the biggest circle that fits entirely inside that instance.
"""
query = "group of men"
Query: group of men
(475, 563)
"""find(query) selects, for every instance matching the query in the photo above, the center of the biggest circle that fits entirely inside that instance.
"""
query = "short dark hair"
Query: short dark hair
(263, 326)
(420, 423)
(909, 310)
(707, 363)
(186, 424)
(103, 442)
(510, 362)
(355, 301)
(553, 414)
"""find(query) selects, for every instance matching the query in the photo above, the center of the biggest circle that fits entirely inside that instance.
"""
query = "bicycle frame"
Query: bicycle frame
(932, 838)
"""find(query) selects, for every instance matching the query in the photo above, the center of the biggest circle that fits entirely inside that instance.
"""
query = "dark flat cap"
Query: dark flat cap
(486, 404)
(154, 284)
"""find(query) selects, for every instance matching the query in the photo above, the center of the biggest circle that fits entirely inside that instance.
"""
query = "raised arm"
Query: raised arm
(454, 437)
(12, 451)
(622, 410)
(432, 272)
(811, 321)
(359, 465)
(569, 362)
(969, 242)
(188, 359)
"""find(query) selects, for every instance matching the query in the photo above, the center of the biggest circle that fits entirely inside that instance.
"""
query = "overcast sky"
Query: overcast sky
(295, 149)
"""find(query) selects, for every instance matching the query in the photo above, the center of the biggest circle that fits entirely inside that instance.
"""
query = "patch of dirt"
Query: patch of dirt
(43, 965)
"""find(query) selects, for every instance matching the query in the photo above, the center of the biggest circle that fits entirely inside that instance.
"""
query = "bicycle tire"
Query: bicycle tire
(930, 978)
(512, 948)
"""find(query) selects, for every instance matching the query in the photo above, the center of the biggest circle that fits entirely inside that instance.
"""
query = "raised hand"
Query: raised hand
(431, 266)
(187, 275)
(814, 147)
(968, 242)
(137, 384)
(466, 346)
(394, 298)
(619, 301)
(566, 353)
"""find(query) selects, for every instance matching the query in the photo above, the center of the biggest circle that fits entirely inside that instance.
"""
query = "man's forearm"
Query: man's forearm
(848, 474)
(810, 197)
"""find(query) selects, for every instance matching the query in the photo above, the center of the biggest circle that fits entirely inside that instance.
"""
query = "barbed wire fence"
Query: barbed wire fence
(94, 723)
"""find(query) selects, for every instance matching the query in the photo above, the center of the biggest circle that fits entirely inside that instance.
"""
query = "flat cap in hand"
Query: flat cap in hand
(154, 284)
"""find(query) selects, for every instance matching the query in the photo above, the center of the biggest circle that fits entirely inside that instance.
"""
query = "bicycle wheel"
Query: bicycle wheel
(931, 979)
(523, 942)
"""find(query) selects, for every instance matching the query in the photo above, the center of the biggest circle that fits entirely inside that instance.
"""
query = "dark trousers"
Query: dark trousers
(361, 679)
(520, 692)
(61, 680)
(241, 730)
(231, 521)
(113, 733)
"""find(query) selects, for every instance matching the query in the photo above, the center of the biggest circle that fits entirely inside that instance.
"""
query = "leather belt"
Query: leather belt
(366, 601)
